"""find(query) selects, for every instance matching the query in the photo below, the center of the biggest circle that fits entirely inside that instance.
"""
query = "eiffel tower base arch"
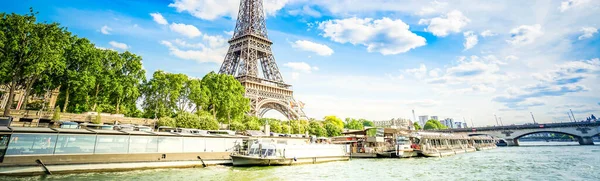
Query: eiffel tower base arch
(266, 105)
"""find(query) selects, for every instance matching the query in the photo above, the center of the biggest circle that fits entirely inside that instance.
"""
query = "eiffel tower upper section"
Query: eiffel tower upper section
(250, 47)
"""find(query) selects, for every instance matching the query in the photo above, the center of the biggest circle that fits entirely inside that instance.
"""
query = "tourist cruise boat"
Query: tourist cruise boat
(443, 144)
(290, 151)
(28, 150)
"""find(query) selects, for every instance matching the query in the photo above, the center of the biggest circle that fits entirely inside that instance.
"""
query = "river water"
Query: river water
(531, 161)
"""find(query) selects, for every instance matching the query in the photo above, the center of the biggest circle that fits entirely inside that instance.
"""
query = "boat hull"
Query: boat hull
(240, 160)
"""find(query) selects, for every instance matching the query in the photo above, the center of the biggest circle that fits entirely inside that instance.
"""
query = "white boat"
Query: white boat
(403, 147)
(268, 153)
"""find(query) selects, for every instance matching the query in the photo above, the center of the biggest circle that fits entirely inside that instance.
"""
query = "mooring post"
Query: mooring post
(204, 165)
(39, 161)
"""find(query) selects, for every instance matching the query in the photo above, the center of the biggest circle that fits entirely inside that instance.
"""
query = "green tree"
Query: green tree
(97, 119)
(367, 123)
(223, 96)
(315, 128)
(166, 121)
(161, 94)
(354, 124)
(417, 126)
(429, 125)
(187, 120)
(372, 132)
(433, 125)
(127, 82)
(78, 78)
(285, 129)
(27, 51)
(275, 126)
(252, 123)
(334, 120)
(207, 122)
(237, 126)
(56, 115)
(332, 130)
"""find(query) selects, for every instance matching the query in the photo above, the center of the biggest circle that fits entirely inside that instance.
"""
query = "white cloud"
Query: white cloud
(435, 72)
(511, 58)
(118, 45)
(230, 33)
(432, 8)
(525, 34)
(384, 35)
(211, 49)
(441, 26)
(588, 32)
(301, 67)
(470, 40)
(417, 72)
(306, 10)
(487, 33)
(187, 30)
(472, 71)
(213, 9)
(158, 18)
(306, 45)
(568, 4)
(105, 30)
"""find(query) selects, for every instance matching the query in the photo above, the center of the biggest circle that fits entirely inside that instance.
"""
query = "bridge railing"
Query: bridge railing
(527, 126)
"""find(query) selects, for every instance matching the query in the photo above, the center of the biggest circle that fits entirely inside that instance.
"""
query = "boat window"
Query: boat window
(3, 145)
(270, 152)
(253, 151)
(31, 144)
(112, 144)
(143, 144)
(263, 152)
(69, 144)
(170, 144)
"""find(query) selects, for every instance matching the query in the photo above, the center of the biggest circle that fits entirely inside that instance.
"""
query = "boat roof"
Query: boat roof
(10, 130)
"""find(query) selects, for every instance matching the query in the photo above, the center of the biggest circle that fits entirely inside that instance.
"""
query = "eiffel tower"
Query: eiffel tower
(249, 47)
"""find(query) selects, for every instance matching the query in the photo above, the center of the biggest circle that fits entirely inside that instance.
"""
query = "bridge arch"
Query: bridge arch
(547, 131)
(266, 105)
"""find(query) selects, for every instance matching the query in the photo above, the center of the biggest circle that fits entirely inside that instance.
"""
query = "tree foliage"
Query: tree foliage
(334, 120)
(223, 96)
(417, 126)
(28, 51)
(353, 124)
(433, 125)
(315, 128)
(187, 120)
(56, 115)
(367, 123)
(166, 121)
(332, 130)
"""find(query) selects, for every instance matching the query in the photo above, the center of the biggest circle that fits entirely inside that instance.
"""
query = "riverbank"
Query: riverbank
(528, 162)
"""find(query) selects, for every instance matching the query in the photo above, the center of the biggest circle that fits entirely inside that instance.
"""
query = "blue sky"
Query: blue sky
(376, 59)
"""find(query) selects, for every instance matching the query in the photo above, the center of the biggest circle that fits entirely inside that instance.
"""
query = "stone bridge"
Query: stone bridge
(582, 131)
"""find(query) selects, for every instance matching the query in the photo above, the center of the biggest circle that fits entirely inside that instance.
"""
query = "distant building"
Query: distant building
(394, 123)
(448, 122)
(423, 119)
(434, 118)
(458, 124)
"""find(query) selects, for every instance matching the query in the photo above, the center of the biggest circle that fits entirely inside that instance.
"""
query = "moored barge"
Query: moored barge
(29, 151)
